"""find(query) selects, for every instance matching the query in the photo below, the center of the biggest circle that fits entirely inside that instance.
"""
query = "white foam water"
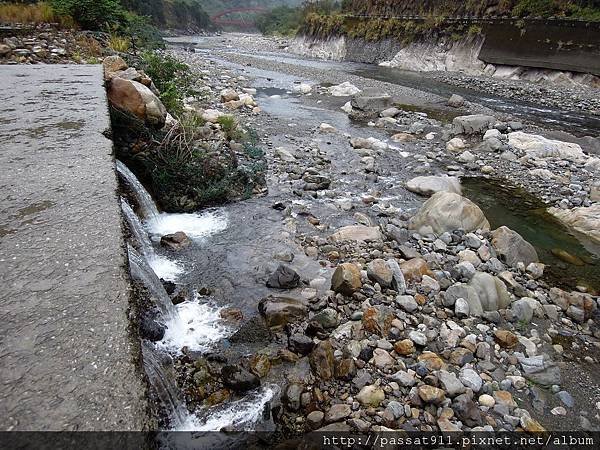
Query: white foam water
(242, 414)
(197, 326)
(165, 268)
(196, 226)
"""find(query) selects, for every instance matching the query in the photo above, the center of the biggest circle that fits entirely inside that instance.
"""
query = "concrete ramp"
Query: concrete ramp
(66, 356)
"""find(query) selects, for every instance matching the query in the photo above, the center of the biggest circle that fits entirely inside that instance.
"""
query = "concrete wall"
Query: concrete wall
(558, 45)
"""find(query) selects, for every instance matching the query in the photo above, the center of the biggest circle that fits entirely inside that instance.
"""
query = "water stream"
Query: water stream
(147, 206)
(196, 323)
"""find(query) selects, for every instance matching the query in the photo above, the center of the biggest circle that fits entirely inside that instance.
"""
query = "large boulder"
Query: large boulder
(279, 311)
(113, 64)
(584, 220)
(430, 185)
(491, 291)
(474, 124)
(138, 100)
(371, 101)
(512, 248)
(540, 147)
(345, 89)
(447, 211)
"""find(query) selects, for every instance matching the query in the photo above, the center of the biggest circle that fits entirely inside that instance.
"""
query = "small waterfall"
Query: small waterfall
(142, 272)
(161, 374)
(145, 202)
(138, 231)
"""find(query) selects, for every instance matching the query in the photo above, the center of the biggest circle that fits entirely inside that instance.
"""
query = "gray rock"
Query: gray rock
(404, 379)
(284, 278)
(371, 101)
(338, 412)
(398, 281)
(522, 310)
(418, 338)
(512, 248)
(396, 408)
(541, 370)
(491, 291)
(471, 379)
(407, 302)
(328, 318)
(472, 124)
(461, 308)
(566, 398)
(450, 383)
(456, 101)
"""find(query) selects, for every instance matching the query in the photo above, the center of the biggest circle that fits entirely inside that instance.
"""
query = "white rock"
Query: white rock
(429, 185)
(492, 134)
(212, 115)
(585, 220)
(345, 89)
(326, 128)
(455, 145)
(284, 155)
(540, 147)
(302, 88)
(347, 108)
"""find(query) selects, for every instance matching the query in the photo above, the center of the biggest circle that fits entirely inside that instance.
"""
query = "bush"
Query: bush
(119, 44)
(173, 79)
(91, 14)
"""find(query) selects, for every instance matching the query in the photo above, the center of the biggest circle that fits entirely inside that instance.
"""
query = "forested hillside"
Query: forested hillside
(545, 8)
(180, 14)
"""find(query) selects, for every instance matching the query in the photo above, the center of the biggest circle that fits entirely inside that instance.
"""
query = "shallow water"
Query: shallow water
(523, 213)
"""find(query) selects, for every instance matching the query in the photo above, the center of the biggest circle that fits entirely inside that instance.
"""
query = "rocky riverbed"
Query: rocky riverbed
(387, 300)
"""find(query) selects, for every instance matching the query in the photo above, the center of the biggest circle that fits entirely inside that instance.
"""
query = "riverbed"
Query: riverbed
(237, 247)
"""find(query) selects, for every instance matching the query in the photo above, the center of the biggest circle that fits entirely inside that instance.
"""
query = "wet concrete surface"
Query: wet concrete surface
(66, 355)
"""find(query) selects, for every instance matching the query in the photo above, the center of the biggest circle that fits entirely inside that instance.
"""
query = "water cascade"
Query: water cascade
(195, 323)
(161, 374)
(144, 245)
(147, 206)
(142, 272)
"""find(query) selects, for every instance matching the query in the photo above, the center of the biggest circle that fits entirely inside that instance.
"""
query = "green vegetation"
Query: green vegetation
(585, 9)
(90, 14)
(282, 20)
(172, 78)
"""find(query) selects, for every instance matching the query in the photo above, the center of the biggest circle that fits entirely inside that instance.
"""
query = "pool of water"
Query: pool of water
(520, 211)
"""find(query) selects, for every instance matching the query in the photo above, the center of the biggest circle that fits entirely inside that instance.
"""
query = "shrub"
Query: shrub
(172, 77)
(91, 14)
(119, 44)
(141, 32)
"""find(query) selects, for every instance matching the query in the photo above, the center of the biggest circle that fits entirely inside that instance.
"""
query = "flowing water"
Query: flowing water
(142, 272)
(147, 206)
(195, 323)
